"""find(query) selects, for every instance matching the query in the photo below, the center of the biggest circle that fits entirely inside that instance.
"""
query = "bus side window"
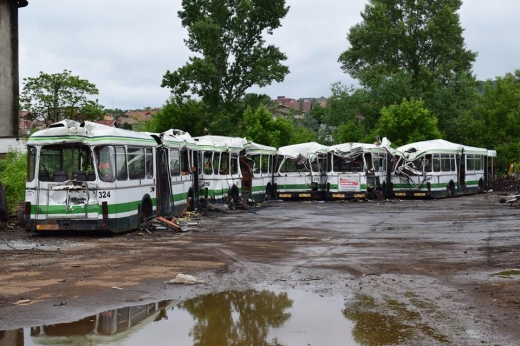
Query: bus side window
(436, 163)
(122, 171)
(175, 165)
(207, 162)
(149, 163)
(428, 163)
(136, 164)
(105, 162)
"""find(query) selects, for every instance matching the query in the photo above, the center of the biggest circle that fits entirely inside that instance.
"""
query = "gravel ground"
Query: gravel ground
(441, 271)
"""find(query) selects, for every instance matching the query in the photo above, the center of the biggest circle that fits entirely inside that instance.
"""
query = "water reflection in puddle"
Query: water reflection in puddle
(241, 318)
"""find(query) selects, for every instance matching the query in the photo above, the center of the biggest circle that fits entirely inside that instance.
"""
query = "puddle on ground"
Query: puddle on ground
(399, 326)
(241, 318)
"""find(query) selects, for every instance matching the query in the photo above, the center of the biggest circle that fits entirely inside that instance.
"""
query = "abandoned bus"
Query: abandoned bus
(358, 170)
(257, 166)
(220, 178)
(300, 172)
(88, 176)
(438, 169)
(181, 153)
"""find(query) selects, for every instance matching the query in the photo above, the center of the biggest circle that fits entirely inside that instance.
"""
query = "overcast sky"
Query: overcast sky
(124, 47)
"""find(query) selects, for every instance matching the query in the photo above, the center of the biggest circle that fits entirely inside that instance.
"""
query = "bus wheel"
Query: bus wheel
(191, 195)
(451, 188)
(481, 186)
(234, 197)
(268, 192)
(146, 210)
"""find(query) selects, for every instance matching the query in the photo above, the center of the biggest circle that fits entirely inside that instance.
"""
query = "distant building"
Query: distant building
(134, 119)
(286, 106)
(24, 124)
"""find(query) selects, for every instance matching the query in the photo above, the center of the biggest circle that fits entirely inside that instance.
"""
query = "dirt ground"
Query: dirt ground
(450, 269)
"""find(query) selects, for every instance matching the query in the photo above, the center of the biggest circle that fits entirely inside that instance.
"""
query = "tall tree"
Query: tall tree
(188, 116)
(496, 120)
(261, 127)
(60, 96)
(421, 37)
(406, 123)
(228, 38)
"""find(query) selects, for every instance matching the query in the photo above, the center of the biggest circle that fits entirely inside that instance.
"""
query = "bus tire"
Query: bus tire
(191, 194)
(146, 209)
(481, 185)
(268, 192)
(451, 189)
(234, 196)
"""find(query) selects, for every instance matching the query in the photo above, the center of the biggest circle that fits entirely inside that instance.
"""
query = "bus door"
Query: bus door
(164, 186)
(247, 177)
(461, 170)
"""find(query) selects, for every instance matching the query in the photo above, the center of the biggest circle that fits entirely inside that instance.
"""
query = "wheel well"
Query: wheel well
(233, 193)
(146, 206)
(481, 185)
(268, 191)
(451, 188)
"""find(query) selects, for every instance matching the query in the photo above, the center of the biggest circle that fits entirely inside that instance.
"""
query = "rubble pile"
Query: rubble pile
(506, 183)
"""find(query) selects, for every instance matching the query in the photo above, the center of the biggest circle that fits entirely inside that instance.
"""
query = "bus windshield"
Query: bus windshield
(61, 162)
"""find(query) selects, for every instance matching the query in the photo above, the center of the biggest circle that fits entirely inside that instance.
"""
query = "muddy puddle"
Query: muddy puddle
(227, 318)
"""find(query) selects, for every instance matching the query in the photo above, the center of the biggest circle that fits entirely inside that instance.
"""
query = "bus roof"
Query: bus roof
(178, 138)
(438, 146)
(307, 150)
(89, 133)
(353, 148)
(220, 143)
(255, 148)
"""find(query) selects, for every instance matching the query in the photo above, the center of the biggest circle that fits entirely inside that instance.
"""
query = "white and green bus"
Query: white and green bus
(438, 169)
(358, 170)
(88, 176)
(257, 167)
(300, 172)
(220, 178)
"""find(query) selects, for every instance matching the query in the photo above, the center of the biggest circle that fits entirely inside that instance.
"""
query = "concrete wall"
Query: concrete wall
(9, 76)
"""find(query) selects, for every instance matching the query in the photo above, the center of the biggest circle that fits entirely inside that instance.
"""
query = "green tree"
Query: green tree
(228, 38)
(496, 121)
(406, 123)
(262, 128)
(188, 116)
(350, 131)
(60, 96)
(259, 125)
(421, 37)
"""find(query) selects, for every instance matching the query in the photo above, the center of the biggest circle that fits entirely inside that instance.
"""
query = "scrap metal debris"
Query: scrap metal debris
(511, 200)
(185, 279)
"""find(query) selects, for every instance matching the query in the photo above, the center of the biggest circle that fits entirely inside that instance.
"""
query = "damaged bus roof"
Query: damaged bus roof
(353, 149)
(252, 148)
(414, 150)
(220, 143)
(307, 150)
(70, 131)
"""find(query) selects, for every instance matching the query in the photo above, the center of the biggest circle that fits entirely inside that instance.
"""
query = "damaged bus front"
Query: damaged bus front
(438, 169)
(358, 170)
(87, 176)
(301, 171)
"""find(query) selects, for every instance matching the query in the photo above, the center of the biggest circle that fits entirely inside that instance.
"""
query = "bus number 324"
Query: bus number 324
(104, 194)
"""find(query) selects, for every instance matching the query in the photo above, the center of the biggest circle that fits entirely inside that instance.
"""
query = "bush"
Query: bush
(13, 172)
